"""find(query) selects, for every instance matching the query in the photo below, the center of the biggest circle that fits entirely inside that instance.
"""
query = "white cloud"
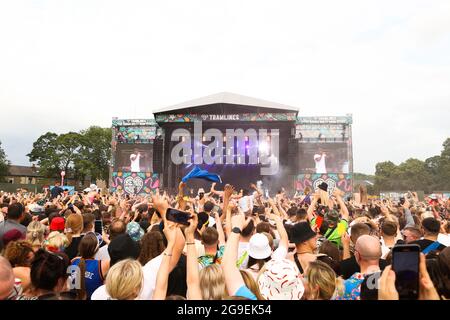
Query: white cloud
(65, 65)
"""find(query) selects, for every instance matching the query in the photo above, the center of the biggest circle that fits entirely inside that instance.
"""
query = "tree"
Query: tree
(84, 154)
(95, 153)
(55, 153)
(4, 163)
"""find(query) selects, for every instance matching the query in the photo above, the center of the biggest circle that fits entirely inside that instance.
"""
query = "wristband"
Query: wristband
(168, 254)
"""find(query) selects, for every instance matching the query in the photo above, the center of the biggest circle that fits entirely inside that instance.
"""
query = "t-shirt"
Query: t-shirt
(150, 271)
(243, 256)
(72, 249)
(334, 235)
(102, 253)
(320, 160)
(424, 243)
(349, 267)
(444, 239)
(208, 259)
(135, 165)
(245, 293)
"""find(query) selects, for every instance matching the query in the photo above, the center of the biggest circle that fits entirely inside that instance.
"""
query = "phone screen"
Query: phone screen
(99, 226)
(178, 216)
(405, 263)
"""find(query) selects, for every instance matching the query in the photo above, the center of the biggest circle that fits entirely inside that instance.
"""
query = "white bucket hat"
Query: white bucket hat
(281, 281)
(259, 247)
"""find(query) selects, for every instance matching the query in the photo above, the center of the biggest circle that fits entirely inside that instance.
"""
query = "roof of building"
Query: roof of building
(229, 98)
(23, 171)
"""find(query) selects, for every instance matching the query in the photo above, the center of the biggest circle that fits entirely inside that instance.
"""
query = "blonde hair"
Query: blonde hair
(322, 281)
(251, 284)
(35, 233)
(124, 280)
(56, 240)
(74, 225)
(212, 283)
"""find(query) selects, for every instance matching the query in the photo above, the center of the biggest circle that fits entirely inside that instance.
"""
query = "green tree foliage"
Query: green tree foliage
(82, 154)
(4, 163)
(430, 175)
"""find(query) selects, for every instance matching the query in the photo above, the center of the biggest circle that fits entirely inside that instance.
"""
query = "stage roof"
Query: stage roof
(228, 98)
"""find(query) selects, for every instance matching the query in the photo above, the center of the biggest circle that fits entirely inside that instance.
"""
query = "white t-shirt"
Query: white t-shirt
(150, 270)
(320, 160)
(243, 250)
(135, 164)
(444, 239)
(102, 254)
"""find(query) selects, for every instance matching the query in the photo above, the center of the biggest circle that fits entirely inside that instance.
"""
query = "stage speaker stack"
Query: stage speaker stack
(158, 149)
(293, 149)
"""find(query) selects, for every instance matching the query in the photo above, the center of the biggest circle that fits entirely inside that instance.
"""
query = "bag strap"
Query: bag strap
(431, 247)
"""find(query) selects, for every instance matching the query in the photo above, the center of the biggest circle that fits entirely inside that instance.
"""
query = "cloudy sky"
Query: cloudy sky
(66, 65)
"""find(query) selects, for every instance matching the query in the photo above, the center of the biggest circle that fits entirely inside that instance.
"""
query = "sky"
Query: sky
(67, 65)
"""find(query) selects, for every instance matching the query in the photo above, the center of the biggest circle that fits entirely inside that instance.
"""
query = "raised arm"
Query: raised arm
(408, 216)
(162, 278)
(233, 278)
(228, 191)
(220, 229)
(344, 210)
(312, 207)
(192, 273)
(284, 238)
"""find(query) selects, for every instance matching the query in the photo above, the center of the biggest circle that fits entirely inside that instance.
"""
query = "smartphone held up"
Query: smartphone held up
(405, 264)
(178, 216)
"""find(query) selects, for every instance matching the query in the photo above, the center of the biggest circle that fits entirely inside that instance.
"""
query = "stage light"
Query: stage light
(263, 147)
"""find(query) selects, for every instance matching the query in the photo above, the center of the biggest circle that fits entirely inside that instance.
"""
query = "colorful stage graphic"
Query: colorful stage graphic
(343, 182)
(135, 183)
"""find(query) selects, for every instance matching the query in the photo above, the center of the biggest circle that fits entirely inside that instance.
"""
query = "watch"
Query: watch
(236, 230)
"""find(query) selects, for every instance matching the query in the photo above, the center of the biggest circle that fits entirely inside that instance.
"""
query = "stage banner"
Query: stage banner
(135, 182)
(250, 117)
(343, 182)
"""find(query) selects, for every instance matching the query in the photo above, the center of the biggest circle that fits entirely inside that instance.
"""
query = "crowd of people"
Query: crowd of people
(235, 244)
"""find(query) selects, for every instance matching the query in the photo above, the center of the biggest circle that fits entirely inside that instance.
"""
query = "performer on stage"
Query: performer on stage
(135, 161)
(320, 159)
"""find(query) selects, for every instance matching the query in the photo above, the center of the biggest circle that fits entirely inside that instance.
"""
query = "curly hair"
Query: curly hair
(18, 253)
(152, 245)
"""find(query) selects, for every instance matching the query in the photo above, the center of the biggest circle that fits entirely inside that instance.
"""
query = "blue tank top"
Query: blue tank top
(93, 275)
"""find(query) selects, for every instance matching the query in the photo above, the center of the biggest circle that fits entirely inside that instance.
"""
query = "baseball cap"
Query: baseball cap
(281, 281)
(57, 224)
(12, 235)
(201, 190)
(301, 232)
(259, 247)
(135, 231)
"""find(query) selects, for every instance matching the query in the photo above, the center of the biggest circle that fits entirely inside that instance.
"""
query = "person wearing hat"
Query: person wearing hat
(305, 240)
(281, 280)
(337, 221)
(57, 224)
(135, 231)
(12, 222)
(261, 247)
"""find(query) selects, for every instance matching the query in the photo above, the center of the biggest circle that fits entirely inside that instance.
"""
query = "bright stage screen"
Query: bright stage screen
(134, 157)
(324, 158)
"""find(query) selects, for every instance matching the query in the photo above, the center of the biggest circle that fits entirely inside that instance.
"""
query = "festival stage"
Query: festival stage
(242, 139)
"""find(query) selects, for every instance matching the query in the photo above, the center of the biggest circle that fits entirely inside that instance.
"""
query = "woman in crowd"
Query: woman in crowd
(36, 234)
(124, 280)
(152, 245)
(73, 230)
(48, 275)
(20, 254)
(321, 282)
(93, 270)
(56, 242)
